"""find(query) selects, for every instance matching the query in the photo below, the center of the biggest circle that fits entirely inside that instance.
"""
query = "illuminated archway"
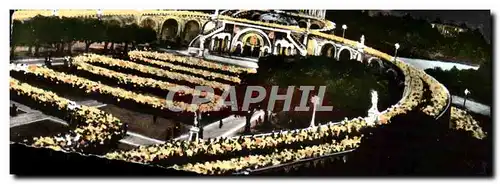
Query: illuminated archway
(278, 49)
(253, 39)
(375, 62)
(328, 50)
(237, 37)
(191, 30)
(252, 44)
(169, 30)
(114, 22)
(302, 24)
(344, 53)
(265, 51)
(225, 44)
(148, 23)
(315, 26)
(288, 51)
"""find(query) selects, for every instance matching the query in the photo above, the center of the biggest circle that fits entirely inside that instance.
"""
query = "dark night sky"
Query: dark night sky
(473, 18)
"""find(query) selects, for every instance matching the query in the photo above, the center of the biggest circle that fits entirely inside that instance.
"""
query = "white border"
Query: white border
(212, 4)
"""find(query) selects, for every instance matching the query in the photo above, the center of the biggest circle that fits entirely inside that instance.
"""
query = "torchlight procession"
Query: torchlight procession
(247, 92)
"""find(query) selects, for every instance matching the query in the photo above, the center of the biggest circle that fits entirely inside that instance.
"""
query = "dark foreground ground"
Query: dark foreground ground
(35, 162)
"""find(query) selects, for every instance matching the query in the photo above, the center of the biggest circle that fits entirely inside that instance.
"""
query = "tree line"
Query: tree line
(479, 82)
(63, 32)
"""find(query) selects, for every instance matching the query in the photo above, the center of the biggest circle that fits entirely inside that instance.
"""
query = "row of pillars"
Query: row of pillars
(223, 45)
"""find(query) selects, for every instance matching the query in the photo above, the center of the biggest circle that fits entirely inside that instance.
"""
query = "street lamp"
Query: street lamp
(248, 121)
(315, 101)
(396, 52)
(344, 27)
(466, 92)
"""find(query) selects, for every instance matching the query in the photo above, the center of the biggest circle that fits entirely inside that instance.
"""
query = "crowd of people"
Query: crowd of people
(212, 151)
(154, 104)
(175, 67)
(182, 152)
(461, 120)
(226, 167)
(191, 61)
(408, 101)
(93, 128)
(144, 69)
(201, 151)
(439, 95)
(128, 81)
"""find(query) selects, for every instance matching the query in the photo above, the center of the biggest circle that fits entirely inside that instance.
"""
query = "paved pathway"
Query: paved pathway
(239, 124)
(39, 63)
(207, 129)
(232, 61)
(26, 118)
(23, 107)
(28, 60)
(239, 61)
(231, 126)
(30, 116)
(33, 115)
(135, 139)
(471, 105)
(172, 51)
(456, 100)
(93, 103)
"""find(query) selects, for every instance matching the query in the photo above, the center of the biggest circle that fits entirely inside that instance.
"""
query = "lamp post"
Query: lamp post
(248, 121)
(315, 102)
(396, 52)
(344, 27)
(466, 92)
(200, 126)
(334, 27)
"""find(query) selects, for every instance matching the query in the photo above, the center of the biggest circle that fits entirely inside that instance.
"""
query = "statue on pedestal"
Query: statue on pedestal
(315, 102)
(373, 111)
(193, 131)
